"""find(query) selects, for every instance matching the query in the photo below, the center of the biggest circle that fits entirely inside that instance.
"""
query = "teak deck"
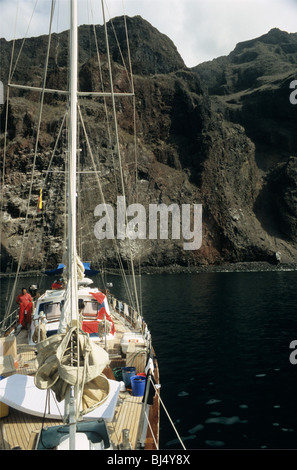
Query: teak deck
(19, 430)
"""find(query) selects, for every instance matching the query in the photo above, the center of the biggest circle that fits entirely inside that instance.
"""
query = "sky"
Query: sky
(200, 29)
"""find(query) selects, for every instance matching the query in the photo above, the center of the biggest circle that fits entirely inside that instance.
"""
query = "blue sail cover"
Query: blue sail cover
(57, 271)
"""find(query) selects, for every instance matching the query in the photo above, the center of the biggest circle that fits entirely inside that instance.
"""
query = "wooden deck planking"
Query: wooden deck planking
(18, 432)
(127, 417)
(20, 429)
(12, 432)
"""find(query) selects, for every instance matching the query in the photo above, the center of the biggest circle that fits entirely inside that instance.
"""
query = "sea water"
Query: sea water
(223, 346)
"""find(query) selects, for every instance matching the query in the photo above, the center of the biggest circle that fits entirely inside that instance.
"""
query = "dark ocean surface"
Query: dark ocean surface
(222, 342)
(223, 347)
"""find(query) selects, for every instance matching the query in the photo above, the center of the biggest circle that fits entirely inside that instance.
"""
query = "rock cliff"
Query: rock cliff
(251, 87)
(221, 135)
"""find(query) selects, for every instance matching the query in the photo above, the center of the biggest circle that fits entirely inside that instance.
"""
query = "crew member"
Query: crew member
(58, 284)
(26, 305)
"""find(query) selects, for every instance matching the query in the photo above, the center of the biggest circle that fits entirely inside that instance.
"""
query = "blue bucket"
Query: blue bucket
(127, 373)
(138, 385)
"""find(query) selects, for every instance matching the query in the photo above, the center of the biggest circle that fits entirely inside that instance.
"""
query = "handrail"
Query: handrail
(133, 316)
(4, 326)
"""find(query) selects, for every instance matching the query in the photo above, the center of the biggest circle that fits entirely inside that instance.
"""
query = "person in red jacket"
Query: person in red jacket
(26, 305)
(58, 284)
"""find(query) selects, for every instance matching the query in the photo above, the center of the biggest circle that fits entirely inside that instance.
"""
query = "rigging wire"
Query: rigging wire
(37, 139)
(104, 202)
(24, 39)
(43, 91)
(170, 420)
(130, 77)
(104, 98)
(34, 163)
(135, 145)
(149, 424)
(119, 153)
(131, 81)
(5, 138)
(112, 153)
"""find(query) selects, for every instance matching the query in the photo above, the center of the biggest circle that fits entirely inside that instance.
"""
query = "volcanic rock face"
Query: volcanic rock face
(252, 87)
(226, 147)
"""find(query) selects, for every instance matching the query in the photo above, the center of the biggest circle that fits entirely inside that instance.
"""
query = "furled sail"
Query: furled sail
(72, 359)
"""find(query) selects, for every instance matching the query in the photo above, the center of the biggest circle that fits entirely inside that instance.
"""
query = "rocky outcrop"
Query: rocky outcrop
(251, 87)
(194, 146)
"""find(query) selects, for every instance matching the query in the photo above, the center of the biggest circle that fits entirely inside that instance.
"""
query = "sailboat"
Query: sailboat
(85, 373)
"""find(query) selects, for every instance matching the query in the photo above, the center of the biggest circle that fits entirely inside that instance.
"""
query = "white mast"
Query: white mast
(72, 254)
(71, 289)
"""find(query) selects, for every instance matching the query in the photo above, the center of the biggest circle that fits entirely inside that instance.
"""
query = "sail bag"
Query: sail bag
(72, 359)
